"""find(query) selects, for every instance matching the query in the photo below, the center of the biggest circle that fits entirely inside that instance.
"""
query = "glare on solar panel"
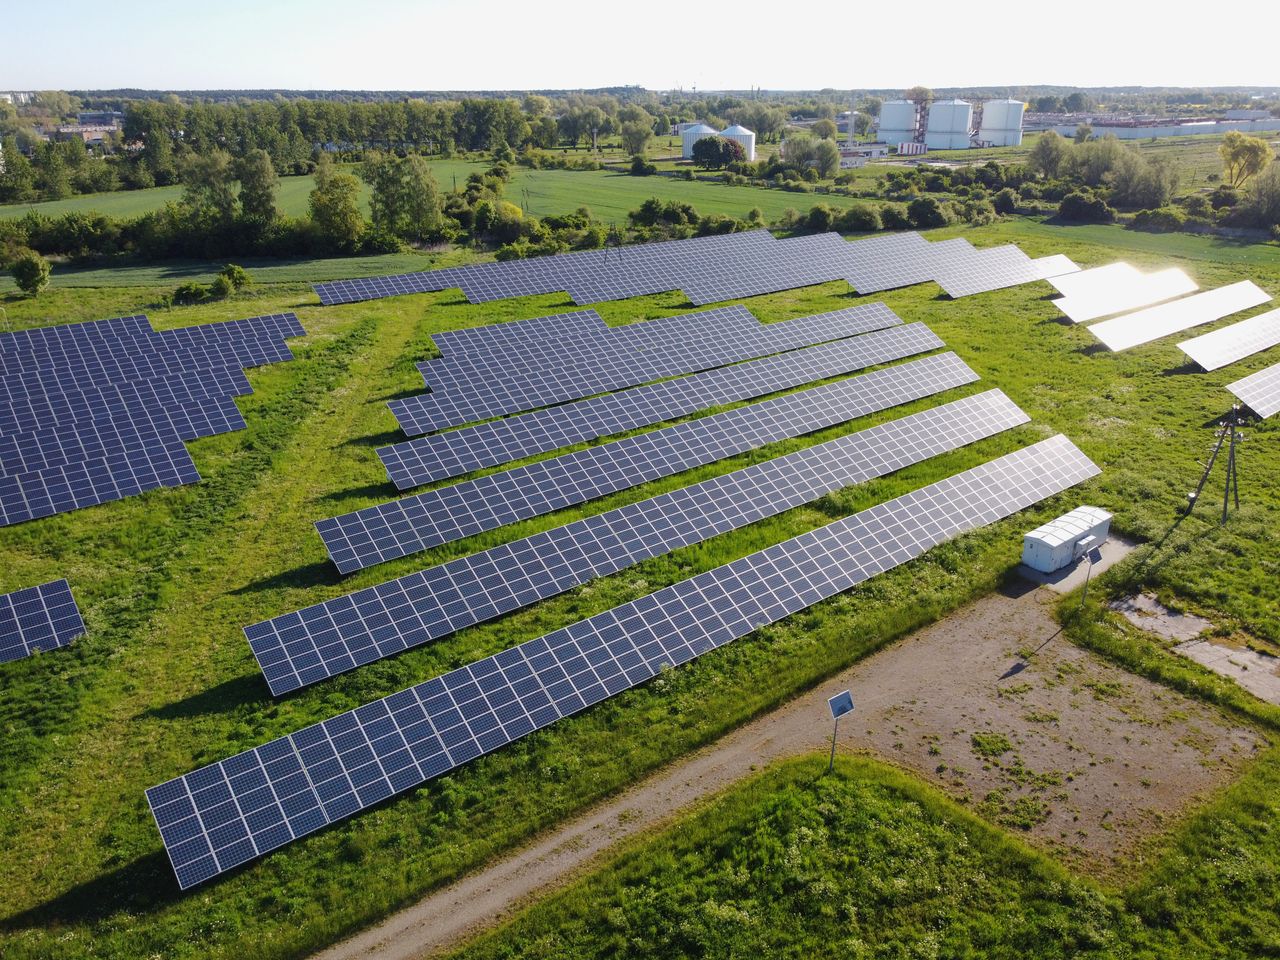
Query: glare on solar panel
(1218, 348)
(226, 814)
(1128, 293)
(1261, 391)
(1133, 329)
(1094, 281)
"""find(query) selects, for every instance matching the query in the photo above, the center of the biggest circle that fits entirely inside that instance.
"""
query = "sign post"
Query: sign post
(840, 704)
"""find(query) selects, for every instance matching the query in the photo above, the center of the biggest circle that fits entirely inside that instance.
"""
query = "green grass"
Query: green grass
(869, 862)
(164, 680)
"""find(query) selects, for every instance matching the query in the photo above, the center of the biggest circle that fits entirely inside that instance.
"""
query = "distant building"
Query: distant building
(950, 125)
(856, 155)
(691, 135)
(741, 135)
(92, 134)
(107, 118)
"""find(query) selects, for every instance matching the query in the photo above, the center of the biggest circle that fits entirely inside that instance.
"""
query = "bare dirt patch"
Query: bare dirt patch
(990, 704)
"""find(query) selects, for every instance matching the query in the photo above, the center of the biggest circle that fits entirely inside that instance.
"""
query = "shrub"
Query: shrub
(1161, 220)
(1197, 205)
(895, 218)
(237, 275)
(31, 272)
(1224, 196)
(820, 218)
(189, 293)
(640, 167)
(221, 288)
(926, 212)
(1005, 202)
(859, 218)
(1084, 208)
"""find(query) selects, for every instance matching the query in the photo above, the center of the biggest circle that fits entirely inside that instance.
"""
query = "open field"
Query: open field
(164, 681)
(610, 195)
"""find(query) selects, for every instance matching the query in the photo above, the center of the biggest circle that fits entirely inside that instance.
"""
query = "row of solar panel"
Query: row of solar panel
(510, 377)
(715, 269)
(93, 412)
(38, 619)
(1117, 287)
(223, 815)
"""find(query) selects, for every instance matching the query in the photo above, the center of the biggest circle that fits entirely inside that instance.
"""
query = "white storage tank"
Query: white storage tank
(691, 135)
(949, 124)
(740, 134)
(1002, 122)
(1059, 543)
(898, 121)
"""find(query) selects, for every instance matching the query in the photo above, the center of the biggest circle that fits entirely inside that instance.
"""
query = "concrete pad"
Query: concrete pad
(1147, 613)
(1259, 673)
(1073, 576)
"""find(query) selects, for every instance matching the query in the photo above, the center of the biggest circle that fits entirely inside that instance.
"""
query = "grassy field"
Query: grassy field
(164, 680)
(610, 195)
(869, 862)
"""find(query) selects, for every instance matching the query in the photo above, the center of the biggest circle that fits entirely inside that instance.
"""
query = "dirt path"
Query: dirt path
(1079, 754)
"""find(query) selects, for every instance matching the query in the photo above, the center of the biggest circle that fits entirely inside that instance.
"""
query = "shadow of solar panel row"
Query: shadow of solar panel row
(225, 814)
(38, 619)
(1260, 391)
(99, 411)
(428, 519)
(560, 371)
(456, 452)
(301, 648)
(620, 358)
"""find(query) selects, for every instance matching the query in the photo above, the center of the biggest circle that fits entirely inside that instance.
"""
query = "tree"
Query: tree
(208, 192)
(18, 180)
(636, 136)
(1047, 155)
(423, 211)
(31, 273)
(1078, 102)
(1261, 204)
(712, 153)
(825, 129)
(385, 177)
(925, 212)
(336, 213)
(1243, 157)
(257, 178)
(1084, 133)
(804, 152)
(919, 94)
(1082, 208)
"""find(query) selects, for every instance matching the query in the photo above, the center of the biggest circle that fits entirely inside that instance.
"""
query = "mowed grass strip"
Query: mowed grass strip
(88, 869)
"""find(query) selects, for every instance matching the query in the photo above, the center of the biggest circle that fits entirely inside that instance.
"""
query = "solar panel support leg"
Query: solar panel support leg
(831, 764)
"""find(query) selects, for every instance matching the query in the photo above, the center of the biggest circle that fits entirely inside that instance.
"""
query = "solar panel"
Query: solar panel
(39, 449)
(1133, 329)
(227, 813)
(696, 342)
(37, 619)
(904, 264)
(122, 473)
(1096, 281)
(1054, 266)
(1261, 391)
(301, 648)
(991, 268)
(92, 329)
(456, 452)
(1219, 348)
(486, 503)
(1128, 293)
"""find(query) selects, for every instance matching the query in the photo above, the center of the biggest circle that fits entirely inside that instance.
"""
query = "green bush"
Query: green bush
(1005, 202)
(1162, 220)
(221, 288)
(894, 218)
(236, 275)
(926, 212)
(640, 167)
(190, 293)
(859, 218)
(31, 272)
(1084, 208)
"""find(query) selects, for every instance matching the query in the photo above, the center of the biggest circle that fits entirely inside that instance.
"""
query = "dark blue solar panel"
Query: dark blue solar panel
(37, 619)
(225, 814)
(451, 454)
(301, 648)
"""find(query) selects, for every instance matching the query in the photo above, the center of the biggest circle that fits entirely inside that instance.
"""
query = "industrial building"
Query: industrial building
(691, 135)
(741, 135)
(901, 120)
(1001, 124)
(1147, 128)
(951, 124)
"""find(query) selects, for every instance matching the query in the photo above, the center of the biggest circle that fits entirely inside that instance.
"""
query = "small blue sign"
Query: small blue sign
(841, 704)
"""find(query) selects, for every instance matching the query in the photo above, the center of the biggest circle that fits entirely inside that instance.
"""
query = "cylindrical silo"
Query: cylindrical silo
(742, 135)
(1002, 122)
(692, 135)
(898, 121)
(950, 122)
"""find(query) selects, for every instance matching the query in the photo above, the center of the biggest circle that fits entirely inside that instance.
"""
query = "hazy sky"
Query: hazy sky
(524, 44)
